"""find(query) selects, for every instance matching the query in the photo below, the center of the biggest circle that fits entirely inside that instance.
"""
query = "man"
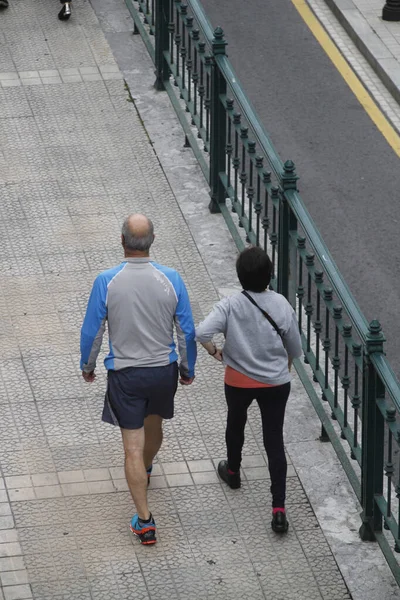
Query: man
(141, 301)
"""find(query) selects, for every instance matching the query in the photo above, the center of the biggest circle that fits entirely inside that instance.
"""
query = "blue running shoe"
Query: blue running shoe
(148, 471)
(146, 532)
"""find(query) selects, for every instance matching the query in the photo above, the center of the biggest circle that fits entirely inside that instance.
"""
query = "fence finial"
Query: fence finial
(289, 177)
(375, 337)
(218, 43)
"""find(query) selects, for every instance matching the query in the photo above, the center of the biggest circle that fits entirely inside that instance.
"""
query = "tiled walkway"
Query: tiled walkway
(74, 161)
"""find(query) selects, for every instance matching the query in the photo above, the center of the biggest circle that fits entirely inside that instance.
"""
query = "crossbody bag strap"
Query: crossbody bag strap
(266, 315)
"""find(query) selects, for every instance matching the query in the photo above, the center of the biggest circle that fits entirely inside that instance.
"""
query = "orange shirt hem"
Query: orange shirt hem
(236, 379)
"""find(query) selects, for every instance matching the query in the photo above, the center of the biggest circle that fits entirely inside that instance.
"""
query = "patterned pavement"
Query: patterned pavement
(74, 161)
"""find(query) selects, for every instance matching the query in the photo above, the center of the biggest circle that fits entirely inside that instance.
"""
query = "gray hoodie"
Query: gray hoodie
(252, 346)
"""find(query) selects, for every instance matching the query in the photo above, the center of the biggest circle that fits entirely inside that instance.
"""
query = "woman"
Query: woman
(261, 339)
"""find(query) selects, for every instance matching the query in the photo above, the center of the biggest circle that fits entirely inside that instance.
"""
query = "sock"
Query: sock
(232, 472)
(149, 470)
(146, 521)
(276, 509)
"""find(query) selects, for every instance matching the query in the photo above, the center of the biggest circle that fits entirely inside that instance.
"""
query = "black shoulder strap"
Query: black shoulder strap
(266, 315)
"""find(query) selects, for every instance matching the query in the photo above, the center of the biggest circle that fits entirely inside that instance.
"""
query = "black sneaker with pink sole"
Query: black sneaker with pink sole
(232, 479)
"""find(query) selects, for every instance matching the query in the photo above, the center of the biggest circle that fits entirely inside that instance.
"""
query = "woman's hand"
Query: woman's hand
(213, 350)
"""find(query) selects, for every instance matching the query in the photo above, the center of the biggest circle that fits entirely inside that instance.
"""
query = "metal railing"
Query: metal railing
(345, 373)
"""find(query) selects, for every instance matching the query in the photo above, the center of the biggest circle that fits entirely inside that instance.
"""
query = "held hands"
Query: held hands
(218, 354)
(214, 351)
(185, 380)
(89, 377)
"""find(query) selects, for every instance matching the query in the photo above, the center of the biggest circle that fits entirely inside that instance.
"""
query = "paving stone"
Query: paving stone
(14, 577)
(10, 549)
(17, 592)
(174, 467)
(205, 477)
(12, 563)
(21, 494)
(8, 535)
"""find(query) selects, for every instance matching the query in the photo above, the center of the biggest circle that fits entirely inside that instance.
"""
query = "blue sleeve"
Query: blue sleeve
(94, 324)
(185, 330)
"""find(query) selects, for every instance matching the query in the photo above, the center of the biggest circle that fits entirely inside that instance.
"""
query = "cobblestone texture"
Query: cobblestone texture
(74, 161)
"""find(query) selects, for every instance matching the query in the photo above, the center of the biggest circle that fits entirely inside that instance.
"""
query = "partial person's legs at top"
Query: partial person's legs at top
(272, 402)
(238, 401)
(65, 12)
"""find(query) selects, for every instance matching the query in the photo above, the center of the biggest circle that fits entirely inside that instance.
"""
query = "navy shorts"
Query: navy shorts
(136, 392)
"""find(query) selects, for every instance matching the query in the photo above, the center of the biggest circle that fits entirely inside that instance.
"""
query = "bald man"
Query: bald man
(141, 301)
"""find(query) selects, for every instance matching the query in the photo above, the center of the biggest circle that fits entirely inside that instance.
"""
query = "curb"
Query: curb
(369, 43)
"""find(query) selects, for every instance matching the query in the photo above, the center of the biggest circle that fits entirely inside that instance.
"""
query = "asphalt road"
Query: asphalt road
(349, 175)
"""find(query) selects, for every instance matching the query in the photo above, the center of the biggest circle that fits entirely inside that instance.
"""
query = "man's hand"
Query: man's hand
(218, 355)
(89, 377)
(185, 380)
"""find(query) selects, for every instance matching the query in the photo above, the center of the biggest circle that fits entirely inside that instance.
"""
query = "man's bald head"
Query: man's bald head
(137, 234)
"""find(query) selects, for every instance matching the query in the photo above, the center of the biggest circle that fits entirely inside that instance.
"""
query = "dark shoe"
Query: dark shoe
(279, 522)
(65, 12)
(3, 3)
(233, 480)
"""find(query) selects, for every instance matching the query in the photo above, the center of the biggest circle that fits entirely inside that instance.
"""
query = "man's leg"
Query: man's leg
(160, 384)
(153, 437)
(135, 471)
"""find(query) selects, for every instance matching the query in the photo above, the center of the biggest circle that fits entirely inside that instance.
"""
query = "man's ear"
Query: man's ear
(122, 241)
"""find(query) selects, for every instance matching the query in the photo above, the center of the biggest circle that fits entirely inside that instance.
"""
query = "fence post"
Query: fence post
(391, 10)
(161, 42)
(287, 250)
(372, 458)
(217, 126)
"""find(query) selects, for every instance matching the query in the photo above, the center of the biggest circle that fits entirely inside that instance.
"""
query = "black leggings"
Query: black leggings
(272, 402)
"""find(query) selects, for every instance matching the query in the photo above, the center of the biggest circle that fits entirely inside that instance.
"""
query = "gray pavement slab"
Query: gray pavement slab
(75, 159)
(378, 40)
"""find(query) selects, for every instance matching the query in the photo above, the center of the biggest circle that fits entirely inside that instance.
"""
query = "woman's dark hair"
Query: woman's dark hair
(254, 269)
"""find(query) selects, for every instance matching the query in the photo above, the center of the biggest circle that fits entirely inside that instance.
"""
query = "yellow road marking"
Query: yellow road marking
(362, 95)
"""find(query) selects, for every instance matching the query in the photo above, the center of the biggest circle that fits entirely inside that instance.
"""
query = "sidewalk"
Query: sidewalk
(378, 40)
(75, 159)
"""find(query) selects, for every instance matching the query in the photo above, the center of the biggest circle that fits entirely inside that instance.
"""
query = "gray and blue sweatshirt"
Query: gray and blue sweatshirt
(141, 301)
(252, 346)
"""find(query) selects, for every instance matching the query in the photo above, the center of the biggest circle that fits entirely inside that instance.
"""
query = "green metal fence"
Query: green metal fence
(345, 372)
